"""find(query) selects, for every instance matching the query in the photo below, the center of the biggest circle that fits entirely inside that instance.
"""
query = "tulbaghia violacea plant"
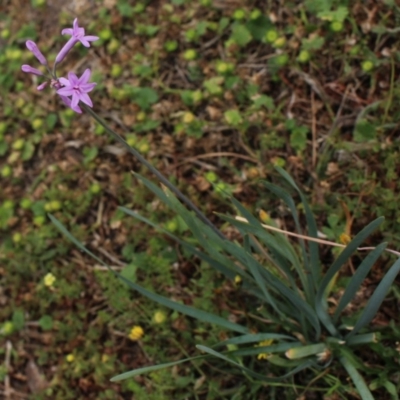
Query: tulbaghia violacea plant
(291, 289)
(290, 285)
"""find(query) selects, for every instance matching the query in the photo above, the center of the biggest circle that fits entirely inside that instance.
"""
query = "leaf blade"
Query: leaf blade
(376, 299)
(190, 311)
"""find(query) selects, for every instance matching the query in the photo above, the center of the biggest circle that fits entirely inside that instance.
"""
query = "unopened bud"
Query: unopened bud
(30, 70)
(36, 52)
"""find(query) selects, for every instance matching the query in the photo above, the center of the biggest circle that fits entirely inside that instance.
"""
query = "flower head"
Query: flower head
(159, 317)
(49, 279)
(36, 52)
(77, 35)
(77, 88)
(136, 333)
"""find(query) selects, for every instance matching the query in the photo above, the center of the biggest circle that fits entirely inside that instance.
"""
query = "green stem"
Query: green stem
(154, 170)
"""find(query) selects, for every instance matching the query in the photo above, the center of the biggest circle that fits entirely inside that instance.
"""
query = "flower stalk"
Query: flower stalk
(154, 170)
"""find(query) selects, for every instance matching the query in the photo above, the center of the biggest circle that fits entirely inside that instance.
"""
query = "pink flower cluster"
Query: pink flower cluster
(71, 90)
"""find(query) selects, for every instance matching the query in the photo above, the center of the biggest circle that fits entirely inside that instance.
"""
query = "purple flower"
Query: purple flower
(77, 35)
(36, 52)
(77, 88)
(30, 70)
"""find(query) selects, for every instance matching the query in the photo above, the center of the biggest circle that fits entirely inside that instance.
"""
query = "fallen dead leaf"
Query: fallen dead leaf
(36, 381)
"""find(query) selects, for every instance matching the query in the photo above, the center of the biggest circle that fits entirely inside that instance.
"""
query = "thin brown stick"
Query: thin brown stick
(312, 239)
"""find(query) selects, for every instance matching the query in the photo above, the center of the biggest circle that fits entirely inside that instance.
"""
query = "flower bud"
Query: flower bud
(30, 70)
(36, 52)
(42, 86)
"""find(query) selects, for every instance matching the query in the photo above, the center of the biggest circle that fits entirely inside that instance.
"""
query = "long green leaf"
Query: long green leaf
(294, 298)
(371, 337)
(255, 269)
(275, 244)
(358, 278)
(305, 276)
(200, 232)
(320, 302)
(278, 242)
(271, 349)
(151, 368)
(283, 362)
(306, 351)
(220, 263)
(190, 311)
(255, 338)
(264, 378)
(315, 261)
(392, 389)
(171, 201)
(376, 299)
(357, 379)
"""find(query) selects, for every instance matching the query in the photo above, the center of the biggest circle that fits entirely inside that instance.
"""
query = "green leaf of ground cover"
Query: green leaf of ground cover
(364, 131)
(144, 97)
(240, 34)
(314, 43)
(27, 151)
(46, 322)
(259, 27)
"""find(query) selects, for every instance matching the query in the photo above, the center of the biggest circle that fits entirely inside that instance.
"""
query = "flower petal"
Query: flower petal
(75, 26)
(75, 100)
(73, 79)
(77, 109)
(67, 31)
(66, 91)
(91, 38)
(86, 99)
(88, 87)
(85, 77)
(84, 42)
(66, 100)
(64, 82)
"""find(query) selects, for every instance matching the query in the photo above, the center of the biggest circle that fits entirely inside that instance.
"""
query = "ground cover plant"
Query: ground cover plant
(217, 102)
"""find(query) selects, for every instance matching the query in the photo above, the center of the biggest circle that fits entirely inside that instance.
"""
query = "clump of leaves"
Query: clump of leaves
(289, 284)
